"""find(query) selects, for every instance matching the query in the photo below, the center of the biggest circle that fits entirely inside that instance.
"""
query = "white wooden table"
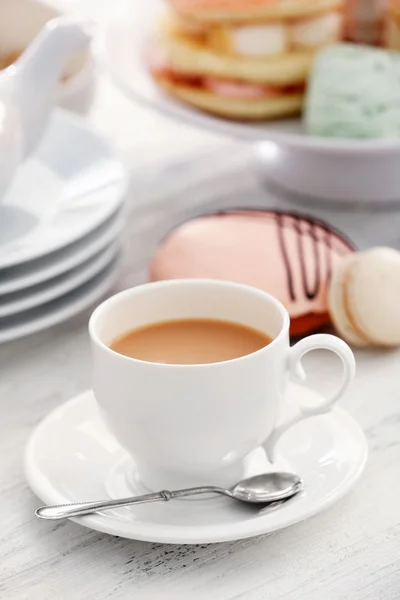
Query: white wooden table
(351, 552)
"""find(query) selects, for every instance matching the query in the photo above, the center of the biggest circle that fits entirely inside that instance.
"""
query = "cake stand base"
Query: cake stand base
(331, 176)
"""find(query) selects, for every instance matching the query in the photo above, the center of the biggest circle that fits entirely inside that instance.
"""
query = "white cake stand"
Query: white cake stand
(320, 168)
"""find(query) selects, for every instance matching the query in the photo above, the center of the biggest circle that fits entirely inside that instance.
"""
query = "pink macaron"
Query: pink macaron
(290, 256)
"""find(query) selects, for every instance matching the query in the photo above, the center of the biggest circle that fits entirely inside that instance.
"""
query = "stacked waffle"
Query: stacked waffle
(243, 59)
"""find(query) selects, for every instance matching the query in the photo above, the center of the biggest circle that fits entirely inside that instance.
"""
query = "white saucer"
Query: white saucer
(11, 304)
(58, 310)
(72, 184)
(71, 457)
(43, 269)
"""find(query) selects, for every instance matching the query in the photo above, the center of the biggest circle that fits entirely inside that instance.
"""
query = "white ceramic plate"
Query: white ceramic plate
(37, 271)
(322, 168)
(72, 184)
(60, 309)
(72, 457)
(11, 304)
(120, 47)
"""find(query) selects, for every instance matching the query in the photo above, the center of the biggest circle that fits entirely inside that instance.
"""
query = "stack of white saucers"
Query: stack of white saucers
(60, 229)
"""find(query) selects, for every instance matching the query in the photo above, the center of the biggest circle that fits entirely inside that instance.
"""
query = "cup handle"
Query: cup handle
(296, 353)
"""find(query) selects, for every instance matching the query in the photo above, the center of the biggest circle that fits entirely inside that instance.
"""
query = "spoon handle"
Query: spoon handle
(66, 511)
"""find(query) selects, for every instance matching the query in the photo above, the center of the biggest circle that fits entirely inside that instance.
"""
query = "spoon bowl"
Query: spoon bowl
(266, 488)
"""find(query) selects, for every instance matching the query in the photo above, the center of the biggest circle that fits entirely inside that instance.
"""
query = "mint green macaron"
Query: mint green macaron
(354, 92)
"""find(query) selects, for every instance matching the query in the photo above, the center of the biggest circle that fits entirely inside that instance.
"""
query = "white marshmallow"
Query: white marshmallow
(318, 31)
(259, 40)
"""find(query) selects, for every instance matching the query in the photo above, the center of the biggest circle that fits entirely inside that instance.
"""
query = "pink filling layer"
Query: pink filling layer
(188, 5)
(239, 90)
(221, 87)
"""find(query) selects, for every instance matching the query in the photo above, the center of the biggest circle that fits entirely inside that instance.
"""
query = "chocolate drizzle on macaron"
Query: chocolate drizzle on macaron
(317, 232)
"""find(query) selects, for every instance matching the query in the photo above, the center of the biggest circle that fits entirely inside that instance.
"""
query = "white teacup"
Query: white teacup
(195, 424)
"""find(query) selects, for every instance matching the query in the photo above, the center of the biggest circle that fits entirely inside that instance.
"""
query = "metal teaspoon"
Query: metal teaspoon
(260, 489)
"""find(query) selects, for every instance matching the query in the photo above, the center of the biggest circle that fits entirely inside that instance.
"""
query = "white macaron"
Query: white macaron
(364, 298)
